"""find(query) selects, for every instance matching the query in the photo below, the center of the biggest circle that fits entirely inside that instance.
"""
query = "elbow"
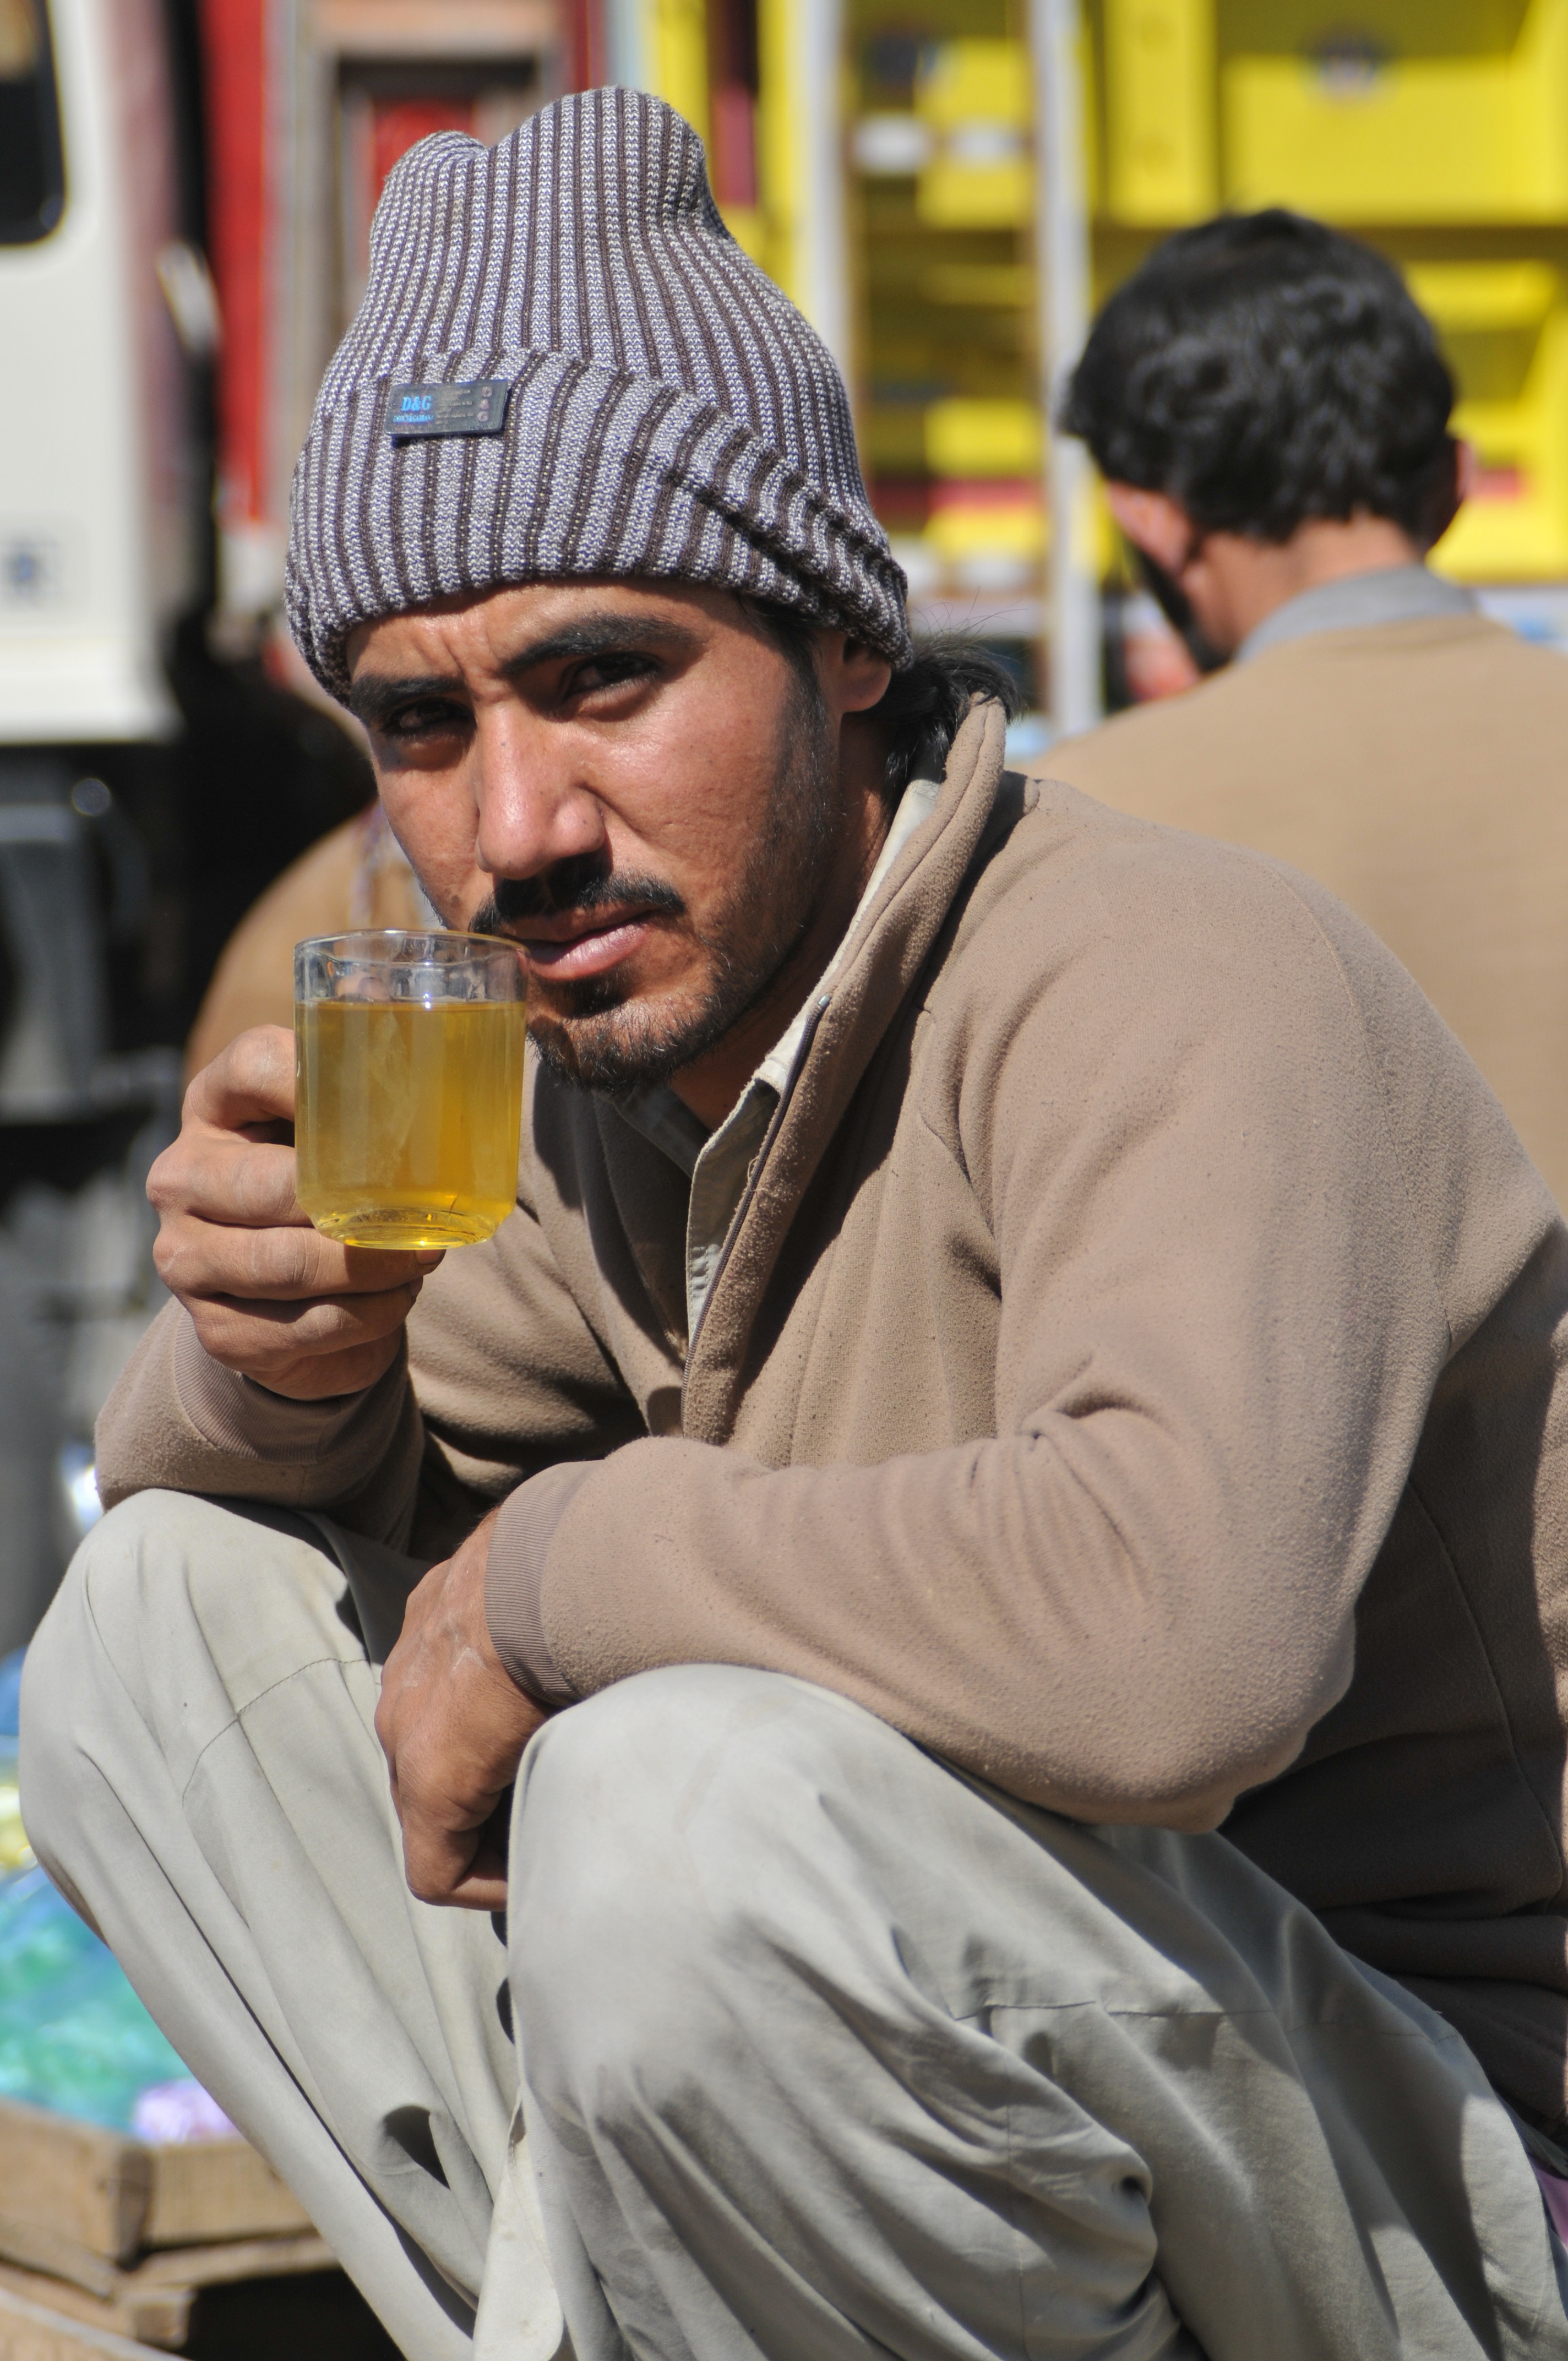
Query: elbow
(1158, 1752)
(115, 1476)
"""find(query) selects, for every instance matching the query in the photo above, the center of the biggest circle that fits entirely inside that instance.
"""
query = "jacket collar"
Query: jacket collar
(883, 953)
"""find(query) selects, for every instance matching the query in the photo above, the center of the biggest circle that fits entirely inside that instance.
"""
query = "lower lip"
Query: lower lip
(586, 955)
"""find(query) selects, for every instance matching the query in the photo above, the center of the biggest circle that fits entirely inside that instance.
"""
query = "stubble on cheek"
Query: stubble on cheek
(603, 1035)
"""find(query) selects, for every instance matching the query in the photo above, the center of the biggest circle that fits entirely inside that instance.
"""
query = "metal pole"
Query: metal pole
(1061, 245)
(627, 42)
(816, 101)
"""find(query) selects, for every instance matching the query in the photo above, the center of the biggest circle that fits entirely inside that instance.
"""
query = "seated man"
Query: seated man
(1270, 412)
(1024, 1345)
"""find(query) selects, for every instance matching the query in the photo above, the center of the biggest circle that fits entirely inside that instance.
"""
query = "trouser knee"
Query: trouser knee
(681, 1772)
(173, 1611)
(662, 1834)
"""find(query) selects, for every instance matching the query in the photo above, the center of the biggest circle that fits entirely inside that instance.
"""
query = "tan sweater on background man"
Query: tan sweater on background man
(1420, 770)
(1138, 1361)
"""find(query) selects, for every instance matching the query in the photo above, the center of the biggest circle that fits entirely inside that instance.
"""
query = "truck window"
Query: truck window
(32, 172)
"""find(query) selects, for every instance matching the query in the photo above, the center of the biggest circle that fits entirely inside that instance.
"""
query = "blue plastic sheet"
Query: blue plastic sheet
(10, 1693)
(73, 2036)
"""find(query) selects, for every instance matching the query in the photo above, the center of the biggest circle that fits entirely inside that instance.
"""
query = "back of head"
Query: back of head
(1262, 369)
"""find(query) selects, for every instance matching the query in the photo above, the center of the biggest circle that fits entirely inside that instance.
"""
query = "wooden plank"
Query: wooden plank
(236, 2258)
(77, 2202)
(71, 2181)
(30, 2331)
(37, 2248)
(158, 2315)
(204, 2190)
(153, 2302)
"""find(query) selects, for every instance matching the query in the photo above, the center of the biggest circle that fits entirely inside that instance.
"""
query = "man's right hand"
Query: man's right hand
(270, 1296)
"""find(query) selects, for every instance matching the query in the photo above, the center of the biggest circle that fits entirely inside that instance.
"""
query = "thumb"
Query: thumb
(250, 1081)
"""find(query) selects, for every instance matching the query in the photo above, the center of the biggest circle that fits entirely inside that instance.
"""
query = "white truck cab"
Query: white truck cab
(99, 550)
(96, 545)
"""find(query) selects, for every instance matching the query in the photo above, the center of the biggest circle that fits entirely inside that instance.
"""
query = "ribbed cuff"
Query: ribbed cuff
(238, 1416)
(514, 1578)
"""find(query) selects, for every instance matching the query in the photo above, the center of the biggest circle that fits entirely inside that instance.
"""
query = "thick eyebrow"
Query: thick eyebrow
(602, 635)
(373, 696)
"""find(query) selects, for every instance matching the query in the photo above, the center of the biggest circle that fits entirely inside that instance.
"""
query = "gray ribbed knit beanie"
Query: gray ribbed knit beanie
(564, 365)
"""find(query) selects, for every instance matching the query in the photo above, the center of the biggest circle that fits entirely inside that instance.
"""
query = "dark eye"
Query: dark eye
(425, 717)
(611, 670)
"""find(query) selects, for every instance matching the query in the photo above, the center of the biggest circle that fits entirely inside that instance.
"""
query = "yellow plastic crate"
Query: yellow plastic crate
(967, 438)
(1395, 112)
(975, 81)
(675, 33)
(961, 530)
(748, 226)
(1161, 160)
(977, 98)
(1504, 325)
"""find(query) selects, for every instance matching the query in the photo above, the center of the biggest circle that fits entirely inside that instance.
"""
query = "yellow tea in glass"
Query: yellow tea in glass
(408, 1059)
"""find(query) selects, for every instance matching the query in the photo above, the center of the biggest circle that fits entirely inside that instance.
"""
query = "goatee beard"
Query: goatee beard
(606, 1039)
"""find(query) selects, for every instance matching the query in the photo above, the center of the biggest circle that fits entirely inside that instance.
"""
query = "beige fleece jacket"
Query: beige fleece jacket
(1135, 1371)
(1420, 771)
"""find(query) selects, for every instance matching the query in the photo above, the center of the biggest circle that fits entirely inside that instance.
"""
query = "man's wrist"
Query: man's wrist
(514, 1580)
(238, 1413)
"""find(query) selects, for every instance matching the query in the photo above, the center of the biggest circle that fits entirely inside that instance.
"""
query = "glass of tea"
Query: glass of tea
(407, 1060)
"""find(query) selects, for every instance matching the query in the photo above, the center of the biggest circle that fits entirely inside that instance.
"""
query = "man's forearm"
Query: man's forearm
(977, 1597)
(514, 1579)
(179, 1420)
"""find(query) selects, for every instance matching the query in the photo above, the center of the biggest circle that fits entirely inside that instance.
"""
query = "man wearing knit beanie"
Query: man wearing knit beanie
(962, 1604)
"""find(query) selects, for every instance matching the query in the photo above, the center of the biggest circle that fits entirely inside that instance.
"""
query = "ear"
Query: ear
(856, 676)
(1444, 510)
(1154, 524)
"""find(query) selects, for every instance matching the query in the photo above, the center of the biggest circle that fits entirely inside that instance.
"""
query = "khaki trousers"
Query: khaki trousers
(823, 2050)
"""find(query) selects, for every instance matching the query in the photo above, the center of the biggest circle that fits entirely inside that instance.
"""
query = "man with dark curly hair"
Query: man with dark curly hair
(1270, 412)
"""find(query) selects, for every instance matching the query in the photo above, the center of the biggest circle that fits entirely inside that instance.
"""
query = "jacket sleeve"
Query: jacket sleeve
(179, 1422)
(1228, 1162)
(501, 1375)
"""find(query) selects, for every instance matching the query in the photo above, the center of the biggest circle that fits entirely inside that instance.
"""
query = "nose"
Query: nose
(535, 808)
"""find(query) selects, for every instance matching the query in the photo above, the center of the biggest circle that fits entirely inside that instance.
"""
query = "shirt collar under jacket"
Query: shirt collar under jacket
(719, 1163)
(1394, 594)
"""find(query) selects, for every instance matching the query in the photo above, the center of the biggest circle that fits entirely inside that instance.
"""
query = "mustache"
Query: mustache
(584, 883)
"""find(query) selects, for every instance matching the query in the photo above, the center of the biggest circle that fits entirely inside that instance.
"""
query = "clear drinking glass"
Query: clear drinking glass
(408, 1059)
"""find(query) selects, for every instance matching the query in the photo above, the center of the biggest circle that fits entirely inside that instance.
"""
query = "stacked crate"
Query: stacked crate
(1437, 130)
(109, 2245)
(941, 171)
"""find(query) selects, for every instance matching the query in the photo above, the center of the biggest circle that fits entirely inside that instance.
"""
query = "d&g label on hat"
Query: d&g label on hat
(477, 408)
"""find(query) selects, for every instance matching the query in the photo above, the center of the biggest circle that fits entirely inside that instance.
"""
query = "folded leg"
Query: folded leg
(201, 1771)
(829, 2051)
